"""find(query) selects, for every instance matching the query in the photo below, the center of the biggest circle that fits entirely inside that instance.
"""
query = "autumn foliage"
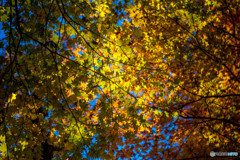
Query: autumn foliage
(163, 84)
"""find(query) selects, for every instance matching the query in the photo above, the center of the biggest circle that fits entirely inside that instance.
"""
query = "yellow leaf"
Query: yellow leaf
(102, 14)
(24, 144)
(13, 97)
(157, 113)
(33, 116)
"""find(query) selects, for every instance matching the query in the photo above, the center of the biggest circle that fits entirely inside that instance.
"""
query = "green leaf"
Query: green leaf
(165, 113)
(119, 42)
(4, 17)
(175, 114)
(55, 38)
(138, 33)
(3, 146)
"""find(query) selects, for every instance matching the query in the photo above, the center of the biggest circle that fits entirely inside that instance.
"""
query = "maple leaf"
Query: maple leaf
(171, 68)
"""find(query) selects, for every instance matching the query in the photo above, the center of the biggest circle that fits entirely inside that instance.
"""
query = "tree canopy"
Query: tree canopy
(115, 79)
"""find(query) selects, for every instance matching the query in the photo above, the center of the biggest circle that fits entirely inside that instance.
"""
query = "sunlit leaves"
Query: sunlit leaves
(3, 146)
(72, 74)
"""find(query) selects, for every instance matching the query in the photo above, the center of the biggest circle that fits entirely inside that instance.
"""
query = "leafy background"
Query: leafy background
(113, 80)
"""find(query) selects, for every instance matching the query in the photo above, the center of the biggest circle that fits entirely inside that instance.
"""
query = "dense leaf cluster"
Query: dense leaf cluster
(165, 83)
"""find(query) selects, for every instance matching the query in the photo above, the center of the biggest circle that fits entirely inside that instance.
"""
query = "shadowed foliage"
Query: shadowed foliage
(75, 83)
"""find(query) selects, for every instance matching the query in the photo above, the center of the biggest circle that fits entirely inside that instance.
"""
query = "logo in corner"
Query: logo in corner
(212, 153)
